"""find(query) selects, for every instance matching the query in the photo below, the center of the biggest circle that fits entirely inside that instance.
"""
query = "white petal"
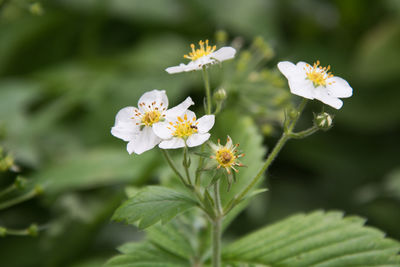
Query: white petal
(302, 87)
(162, 131)
(125, 131)
(191, 66)
(224, 53)
(322, 95)
(154, 95)
(228, 142)
(198, 64)
(175, 142)
(178, 110)
(189, 114)
(287, 68)
(125, 126)
(125, 115)
(145, 140)
(205, 123)
(176, 69)
(197, 139)
(339, 87)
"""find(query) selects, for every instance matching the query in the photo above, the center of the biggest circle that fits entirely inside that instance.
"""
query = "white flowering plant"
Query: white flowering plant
(207, 183)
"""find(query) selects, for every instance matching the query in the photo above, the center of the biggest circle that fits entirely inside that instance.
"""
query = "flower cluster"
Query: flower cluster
(152, 123)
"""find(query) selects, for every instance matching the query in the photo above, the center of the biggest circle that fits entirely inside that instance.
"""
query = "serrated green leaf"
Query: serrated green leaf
(144, 254)
(171, 237)
(153, 204)
(316, 239)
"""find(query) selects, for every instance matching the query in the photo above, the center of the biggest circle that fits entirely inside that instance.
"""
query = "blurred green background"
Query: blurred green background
(68, 66)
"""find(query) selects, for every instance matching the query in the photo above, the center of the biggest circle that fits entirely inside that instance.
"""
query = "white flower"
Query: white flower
(315, 82)
(183, 129)
(203, 56)
(135, 125)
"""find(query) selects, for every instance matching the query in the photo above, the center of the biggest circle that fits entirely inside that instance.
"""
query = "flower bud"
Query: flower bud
(323, 121)
(293, 114)
(33, 230)
(3, 231)
(220, 95)
(221, 36)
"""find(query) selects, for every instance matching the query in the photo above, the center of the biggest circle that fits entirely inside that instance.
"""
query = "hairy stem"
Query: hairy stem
(172, 165)
(216, 228)
(31, 194)
(281, 142)
(208, 90)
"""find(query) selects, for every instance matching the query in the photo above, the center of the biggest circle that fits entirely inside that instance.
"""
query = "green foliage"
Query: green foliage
(145, 254)
(99, 167)
(242, 130)
(153, 204)
(316, 239)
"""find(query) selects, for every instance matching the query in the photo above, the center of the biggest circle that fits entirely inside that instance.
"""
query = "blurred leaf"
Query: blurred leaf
(99, 167)
(316, 239)
(379, 48)
(392, 184)
(152, 204)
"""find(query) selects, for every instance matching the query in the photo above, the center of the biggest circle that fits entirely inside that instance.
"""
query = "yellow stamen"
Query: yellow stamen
(184, 127)
(225, 157)
(200, 52)
(317, 74)
(151, 117)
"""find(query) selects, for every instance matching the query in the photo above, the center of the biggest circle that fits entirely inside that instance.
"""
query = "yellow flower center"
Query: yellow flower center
(184, 128)
(317, 74)
(200, 52)
(225, 157)
(151, 117)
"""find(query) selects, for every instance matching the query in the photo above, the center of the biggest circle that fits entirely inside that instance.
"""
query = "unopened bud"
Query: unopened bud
(323, 121)
(33, 230)
(20, 182)
(293, 114)
(220, 95)
(3, 231)
(36, 9)
(221, 36)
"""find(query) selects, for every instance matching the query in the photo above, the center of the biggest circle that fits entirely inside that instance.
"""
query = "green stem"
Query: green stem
(31, 194)
(193, 189)
(208, 90)
(281, 142)
(7, 190)
(172, 165)
(305, 133)
(186, 164)
(199, 167)
(216, 228)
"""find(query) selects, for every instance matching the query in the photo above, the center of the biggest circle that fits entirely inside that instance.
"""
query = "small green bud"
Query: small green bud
(221, 36)
(20, 182)
(38, 190)
(33, 230)
(220, 95)
(3, 231)
(293, 114)
(323, 121)
(36, 9)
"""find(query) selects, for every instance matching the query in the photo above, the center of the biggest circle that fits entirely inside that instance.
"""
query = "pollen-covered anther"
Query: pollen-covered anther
(317, 74)
(200, 52)
(226, 156)
(184, 128)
